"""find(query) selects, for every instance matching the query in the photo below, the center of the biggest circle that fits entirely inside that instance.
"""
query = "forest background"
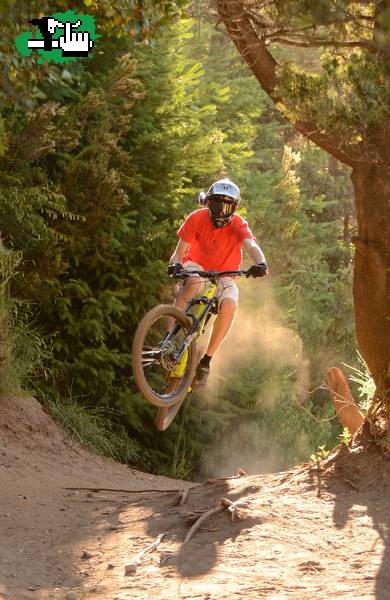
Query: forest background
(100, 161)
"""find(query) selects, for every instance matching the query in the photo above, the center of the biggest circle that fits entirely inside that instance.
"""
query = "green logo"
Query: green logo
(61, 37)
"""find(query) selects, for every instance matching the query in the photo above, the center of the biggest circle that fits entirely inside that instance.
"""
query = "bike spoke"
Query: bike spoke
(148, 364)
(159, 353)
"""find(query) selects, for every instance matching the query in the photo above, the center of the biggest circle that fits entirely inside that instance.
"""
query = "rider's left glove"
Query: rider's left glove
(175, 269)
(257, 270)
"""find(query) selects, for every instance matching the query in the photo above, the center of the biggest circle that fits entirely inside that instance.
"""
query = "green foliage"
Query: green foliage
(7, 266)
(309, 13)
(182, 465)
(95, 427)
(98, 166)
(319, 455)
(345, 91)
(349, 98)
(121, 23)
(364, 382)
(22, 350)
(307, 239)
(345, 437)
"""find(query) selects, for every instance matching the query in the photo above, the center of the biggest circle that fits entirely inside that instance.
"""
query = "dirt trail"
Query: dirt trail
(307, 533)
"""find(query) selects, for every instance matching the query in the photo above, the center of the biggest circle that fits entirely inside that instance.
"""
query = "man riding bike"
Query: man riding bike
(211, 239)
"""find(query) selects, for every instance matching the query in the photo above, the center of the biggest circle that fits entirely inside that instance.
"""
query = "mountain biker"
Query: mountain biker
(211, 239)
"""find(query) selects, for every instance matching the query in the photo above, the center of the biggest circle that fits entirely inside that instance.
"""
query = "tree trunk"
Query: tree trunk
(371, 288)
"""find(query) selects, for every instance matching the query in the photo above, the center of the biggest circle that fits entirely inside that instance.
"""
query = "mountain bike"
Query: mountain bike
(165, 356)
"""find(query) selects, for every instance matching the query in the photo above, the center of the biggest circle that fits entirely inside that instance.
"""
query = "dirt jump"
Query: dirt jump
(74, 525)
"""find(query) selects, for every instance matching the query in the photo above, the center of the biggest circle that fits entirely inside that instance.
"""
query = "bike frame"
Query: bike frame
(207, 303)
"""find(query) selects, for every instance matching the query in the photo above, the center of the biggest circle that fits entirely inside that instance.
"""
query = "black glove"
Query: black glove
(174, 269)
(257, 270)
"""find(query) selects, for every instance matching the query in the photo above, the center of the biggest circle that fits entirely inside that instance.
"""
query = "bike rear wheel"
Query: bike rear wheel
(165, 416)
(154, 360)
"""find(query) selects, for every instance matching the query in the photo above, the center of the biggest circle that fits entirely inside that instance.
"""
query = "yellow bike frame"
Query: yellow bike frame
(210, 292)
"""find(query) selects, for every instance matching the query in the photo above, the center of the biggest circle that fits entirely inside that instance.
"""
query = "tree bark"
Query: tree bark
(371, 287)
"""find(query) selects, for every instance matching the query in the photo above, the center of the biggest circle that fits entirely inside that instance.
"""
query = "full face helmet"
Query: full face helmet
(222, 200)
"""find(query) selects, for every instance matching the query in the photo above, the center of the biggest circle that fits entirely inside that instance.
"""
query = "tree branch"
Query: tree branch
(319, 43)
(263, 65)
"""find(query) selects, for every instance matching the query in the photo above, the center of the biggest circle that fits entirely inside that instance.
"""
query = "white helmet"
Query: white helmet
(222, 200)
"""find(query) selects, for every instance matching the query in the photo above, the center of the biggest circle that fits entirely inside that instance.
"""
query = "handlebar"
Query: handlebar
(210, 274)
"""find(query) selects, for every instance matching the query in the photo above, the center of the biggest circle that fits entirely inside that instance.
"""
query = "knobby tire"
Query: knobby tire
(165, 416)
(177, 396)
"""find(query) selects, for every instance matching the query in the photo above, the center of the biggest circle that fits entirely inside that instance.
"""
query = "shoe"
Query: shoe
(200, 379)
(172, 384)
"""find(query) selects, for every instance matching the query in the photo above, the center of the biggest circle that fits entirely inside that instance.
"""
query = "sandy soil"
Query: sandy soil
(319, 531)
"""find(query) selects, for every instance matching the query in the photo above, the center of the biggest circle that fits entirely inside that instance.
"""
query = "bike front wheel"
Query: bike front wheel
(154, 357)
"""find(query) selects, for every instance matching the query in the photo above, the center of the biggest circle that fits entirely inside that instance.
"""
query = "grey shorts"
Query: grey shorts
(227, 287)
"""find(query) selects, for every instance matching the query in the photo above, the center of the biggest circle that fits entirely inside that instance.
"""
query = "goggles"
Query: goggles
(221, 206)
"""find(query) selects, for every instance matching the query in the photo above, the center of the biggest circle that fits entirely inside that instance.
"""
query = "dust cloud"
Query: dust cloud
(253, 448)
(259, 335)
(260, 332)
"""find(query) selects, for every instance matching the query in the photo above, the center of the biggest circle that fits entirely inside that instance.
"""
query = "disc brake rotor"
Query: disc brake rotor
(168, 357)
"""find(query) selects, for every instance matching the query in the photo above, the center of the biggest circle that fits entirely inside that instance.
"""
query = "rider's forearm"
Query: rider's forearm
(180, 250)
(254, 251)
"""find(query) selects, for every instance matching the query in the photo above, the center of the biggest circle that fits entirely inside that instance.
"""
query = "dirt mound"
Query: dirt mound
(321, 530)
(42, 525)
(22, 420)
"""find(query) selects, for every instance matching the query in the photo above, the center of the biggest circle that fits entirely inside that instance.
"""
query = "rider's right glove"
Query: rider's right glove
(257, 270)
(175, 269)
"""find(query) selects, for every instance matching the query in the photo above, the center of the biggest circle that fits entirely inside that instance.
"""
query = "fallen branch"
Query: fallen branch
(352, 484)
(132, 567)
(99, 489)
(205, 516)
(239, 473)
(224, 503)
(95, 500)
(182, 499)
(233, 507)
(277, 481)
(192, 516)
(368, 483)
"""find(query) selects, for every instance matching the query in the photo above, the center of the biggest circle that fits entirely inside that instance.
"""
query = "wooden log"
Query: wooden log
(346, 409)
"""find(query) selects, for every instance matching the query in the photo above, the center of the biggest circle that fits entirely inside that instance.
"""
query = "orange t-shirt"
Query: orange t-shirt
(215, 249)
